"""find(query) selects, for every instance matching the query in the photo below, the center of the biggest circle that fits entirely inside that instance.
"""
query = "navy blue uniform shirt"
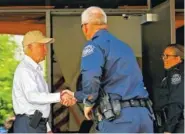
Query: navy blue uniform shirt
(110, 63)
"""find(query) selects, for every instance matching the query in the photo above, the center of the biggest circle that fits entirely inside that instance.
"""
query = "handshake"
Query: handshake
(67, 98)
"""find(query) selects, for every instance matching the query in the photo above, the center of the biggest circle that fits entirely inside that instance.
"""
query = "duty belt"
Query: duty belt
(133, 103)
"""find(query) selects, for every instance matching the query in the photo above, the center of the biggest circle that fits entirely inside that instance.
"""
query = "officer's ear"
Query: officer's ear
(85, 28)
(30, 47)
(178, 59)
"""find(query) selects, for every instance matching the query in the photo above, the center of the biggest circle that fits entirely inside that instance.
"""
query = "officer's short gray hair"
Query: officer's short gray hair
(94, 15)
(179, 50)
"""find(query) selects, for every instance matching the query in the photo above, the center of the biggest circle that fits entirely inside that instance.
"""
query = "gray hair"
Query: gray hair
(179, 50)
(94, 15)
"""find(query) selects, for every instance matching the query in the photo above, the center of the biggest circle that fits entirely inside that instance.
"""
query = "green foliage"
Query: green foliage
(7, 67)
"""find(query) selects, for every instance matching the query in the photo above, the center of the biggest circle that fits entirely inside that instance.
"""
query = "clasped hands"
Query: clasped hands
(67, 98)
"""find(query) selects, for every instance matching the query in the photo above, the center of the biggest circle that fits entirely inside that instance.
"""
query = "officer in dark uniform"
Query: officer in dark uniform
(112, 82)
(171, 116)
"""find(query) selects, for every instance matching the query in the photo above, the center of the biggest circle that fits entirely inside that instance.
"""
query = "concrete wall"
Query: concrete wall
(129, 31)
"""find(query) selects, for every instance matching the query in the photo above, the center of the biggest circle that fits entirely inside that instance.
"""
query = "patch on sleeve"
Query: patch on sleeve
(88, 50)
(176, 79)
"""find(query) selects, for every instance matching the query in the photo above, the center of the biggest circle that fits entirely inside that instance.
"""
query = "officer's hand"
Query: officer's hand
(68, 92)
(88, 112)
(67, 98)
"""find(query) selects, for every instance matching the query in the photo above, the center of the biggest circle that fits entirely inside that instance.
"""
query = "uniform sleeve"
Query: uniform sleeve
(31, 91)
(91, 69)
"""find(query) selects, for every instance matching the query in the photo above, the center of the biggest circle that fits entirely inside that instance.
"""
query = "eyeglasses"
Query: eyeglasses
(165, 56)
(83, 24)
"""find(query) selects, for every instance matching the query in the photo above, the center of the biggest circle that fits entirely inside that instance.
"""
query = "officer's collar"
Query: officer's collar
(98, 33)
(178, 66)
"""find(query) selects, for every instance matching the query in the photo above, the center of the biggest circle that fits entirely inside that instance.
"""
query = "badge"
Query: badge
(88, 50)
(176, 79)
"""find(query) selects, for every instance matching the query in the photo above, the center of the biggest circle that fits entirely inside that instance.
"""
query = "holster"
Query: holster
(161, 119)
(149, 107)
(97, 116)
(158, 121)
(108, 110)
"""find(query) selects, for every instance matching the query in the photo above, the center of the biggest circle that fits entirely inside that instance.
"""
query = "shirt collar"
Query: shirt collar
(98, 33)
(179, 65)
(32, 62)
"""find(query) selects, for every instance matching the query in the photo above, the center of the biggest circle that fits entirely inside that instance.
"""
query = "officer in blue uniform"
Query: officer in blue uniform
(110, 64)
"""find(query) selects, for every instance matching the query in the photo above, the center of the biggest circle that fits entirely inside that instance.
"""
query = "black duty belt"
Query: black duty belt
(31, 116)
(134, 103)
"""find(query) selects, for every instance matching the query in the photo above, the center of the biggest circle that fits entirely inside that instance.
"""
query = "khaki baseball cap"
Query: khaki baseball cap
(36, 37)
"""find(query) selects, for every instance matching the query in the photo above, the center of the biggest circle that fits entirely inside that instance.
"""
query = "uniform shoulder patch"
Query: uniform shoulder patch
(88, 50)
(175, 79)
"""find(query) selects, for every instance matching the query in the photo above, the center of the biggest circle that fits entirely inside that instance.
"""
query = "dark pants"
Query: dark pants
(21, 125)
(180, 127)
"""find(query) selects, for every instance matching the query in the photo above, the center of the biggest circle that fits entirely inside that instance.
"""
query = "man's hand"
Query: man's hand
(67, 98)
(68, 92)
(88, 112)
(9, 122)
